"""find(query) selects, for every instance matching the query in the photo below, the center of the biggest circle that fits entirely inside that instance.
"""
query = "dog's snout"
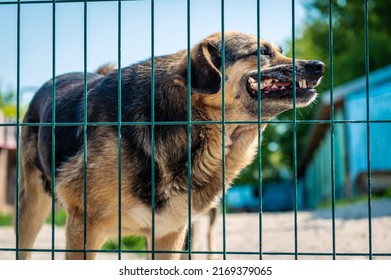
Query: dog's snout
(315, 66)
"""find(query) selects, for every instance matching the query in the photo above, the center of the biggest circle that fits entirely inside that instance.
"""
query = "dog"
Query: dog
(98, 161)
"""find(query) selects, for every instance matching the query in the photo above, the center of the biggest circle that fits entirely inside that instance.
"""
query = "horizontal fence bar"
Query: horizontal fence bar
(62, 1)
(115, 251)
(325, 122)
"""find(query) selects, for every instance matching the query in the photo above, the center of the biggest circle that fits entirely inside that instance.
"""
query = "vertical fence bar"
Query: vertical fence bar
(332, 135)
(366, 22)
(223, 129)
(153, 125)
(189, 116)
(294, 127)
(119, 133)
(53, 163)
(17, 202)
(85, 120)
(259, 125)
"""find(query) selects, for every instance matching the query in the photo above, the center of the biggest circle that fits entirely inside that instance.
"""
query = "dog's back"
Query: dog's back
(69, 109)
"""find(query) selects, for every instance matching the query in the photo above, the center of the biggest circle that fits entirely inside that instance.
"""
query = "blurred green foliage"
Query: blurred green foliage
(5, 220)
(8, 104)
(60, 217)
(348, 20)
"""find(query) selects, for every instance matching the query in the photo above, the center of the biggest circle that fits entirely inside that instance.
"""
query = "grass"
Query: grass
(355, 200)
(127, 243)
(343, 202)
(60, 218)
(6, 220)
(384, 194)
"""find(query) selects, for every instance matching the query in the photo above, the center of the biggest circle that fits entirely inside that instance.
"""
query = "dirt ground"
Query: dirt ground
(242, 234)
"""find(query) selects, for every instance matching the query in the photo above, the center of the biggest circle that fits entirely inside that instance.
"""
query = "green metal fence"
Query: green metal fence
(260, 252)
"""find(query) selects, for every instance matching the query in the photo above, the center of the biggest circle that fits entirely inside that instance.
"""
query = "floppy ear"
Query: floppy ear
(205, 64)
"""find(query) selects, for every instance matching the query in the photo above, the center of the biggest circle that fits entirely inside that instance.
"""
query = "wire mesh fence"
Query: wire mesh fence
(225, 252)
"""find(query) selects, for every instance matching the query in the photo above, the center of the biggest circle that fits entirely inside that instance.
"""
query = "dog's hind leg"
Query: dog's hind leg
(35, 203)
(194, 239)
(211, 233)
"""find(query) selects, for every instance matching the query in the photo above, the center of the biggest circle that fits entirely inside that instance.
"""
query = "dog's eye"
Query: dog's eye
(266, 51)
(262, 51)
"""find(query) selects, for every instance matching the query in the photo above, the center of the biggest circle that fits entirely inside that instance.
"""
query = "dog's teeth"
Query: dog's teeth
(274, 87)
(251, 80)
(283, 87)
(254, 86)
(302, 84)
(266, 83)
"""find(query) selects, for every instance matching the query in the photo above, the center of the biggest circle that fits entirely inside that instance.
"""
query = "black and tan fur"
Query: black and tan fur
(170, 141)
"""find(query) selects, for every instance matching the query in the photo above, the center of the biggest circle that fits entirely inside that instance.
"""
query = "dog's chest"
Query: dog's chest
(171, 218)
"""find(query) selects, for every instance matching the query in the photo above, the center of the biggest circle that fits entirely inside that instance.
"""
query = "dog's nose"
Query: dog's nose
(315, 66)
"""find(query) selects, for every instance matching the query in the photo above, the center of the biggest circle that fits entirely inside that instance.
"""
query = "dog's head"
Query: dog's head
(241, 76)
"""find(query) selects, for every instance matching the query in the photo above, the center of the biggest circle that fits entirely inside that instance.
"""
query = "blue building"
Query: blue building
(276, 196)
(350, 142)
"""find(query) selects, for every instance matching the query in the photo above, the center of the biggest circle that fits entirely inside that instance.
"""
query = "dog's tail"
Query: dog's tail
(106, 69)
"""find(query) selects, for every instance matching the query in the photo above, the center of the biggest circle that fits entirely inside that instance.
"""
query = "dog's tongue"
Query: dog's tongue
(282, 84)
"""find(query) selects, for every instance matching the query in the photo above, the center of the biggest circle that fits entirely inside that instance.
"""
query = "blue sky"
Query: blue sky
(102, 33)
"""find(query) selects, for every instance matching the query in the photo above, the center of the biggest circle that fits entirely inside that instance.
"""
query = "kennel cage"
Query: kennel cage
(294, 122)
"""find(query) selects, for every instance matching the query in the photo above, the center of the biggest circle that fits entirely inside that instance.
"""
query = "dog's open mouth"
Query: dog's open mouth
(279, 88)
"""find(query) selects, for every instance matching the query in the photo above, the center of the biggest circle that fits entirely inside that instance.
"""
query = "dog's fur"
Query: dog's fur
(170, 159)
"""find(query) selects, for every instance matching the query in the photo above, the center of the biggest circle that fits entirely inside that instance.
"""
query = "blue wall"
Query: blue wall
(350, 146)
(380, 133)
(317, 180)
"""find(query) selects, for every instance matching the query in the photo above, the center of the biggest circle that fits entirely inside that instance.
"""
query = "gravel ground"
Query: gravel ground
(314, 235)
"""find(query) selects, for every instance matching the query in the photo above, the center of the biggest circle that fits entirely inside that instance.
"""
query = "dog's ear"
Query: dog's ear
(205, 64)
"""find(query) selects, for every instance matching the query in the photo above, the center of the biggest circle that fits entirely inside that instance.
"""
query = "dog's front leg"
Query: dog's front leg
(172, 242)
(75, 238)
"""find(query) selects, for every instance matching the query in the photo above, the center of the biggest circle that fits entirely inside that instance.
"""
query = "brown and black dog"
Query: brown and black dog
(170, 154)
